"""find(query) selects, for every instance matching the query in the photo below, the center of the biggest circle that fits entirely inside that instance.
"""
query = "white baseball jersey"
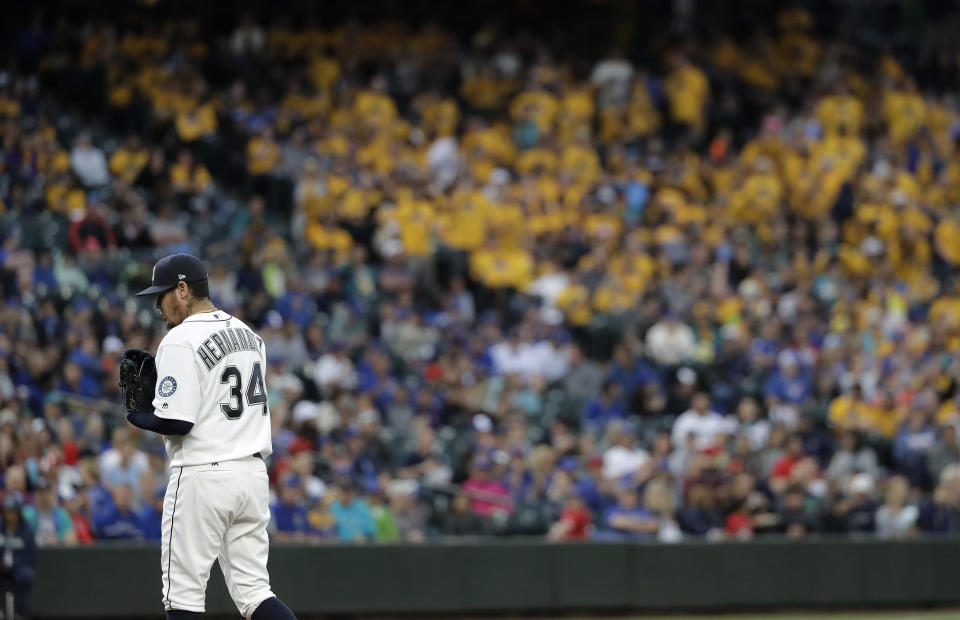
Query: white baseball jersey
(210, 371)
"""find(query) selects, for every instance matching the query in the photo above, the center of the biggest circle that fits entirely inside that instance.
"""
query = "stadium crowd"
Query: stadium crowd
(703, 288)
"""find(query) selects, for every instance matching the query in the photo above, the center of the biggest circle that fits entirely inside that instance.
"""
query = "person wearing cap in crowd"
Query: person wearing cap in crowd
(594, 487)
(302, 464)
(354, 520)
(484, 438)
(50, 522)
(19, 557)
(76, 501)
(409, 515)
(862, 507)
(288, 514)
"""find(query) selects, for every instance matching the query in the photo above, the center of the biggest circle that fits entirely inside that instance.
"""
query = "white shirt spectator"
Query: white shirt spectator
(893, 523)
(89, 163)
(620, 461)
(612, 77)
(611, 70)
(526, 359)
(549, 286)
(443, 161)
(335, 370)
(671, 342)
(248, 38)
(757, 432)
(111, 459)
(701, 422)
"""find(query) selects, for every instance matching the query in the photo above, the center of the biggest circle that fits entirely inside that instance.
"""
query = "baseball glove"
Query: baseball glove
(138, 379)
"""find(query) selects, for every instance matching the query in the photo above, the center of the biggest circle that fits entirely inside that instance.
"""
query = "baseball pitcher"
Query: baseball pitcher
(206, 393)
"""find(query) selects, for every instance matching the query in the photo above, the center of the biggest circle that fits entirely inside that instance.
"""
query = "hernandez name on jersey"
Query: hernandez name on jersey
(211, 370)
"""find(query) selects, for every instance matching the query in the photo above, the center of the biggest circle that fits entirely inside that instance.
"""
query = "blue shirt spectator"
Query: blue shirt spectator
(151, 516)
(628, 520)
(354, 519)
(288, 515)
(788, 383)
(608, 406)
(121, 522)
(630, 373)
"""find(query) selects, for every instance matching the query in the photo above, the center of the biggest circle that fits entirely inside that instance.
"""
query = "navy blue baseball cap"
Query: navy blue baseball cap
(172, 270)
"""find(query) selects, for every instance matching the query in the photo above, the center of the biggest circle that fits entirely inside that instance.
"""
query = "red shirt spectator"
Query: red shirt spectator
(784, 467)
(93, 229)
(739, 524)
(574, 522)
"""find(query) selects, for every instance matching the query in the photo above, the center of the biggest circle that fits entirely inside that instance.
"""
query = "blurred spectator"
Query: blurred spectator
(749, 423)
(487, 494)
(120, 521)
(852, 457)
(624, 457)
(51, 523)
(911, 446)
(92, 230)
(385, 524)
(699, 516)
(151, 515)
(861, 507)
(700, 421)
(896, 518)
(574, 522)
(628, 520)
(658, 499)
(123, 464)
(798, 520)
(76, 501)
(410, 516)
(288, 514)
(353, 517)
(940, 514)
(604, 408)
(461, 520)
(18, 568)
(944, 453)
(671, 342)
(89, 163)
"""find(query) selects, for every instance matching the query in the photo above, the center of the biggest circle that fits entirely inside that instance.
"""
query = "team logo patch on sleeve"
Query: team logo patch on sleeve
(167, 386)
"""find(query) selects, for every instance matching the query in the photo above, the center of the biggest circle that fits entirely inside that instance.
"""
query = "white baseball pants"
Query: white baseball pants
(217, 511)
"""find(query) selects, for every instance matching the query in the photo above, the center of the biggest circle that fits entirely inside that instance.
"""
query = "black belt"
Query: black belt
(257, 455)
